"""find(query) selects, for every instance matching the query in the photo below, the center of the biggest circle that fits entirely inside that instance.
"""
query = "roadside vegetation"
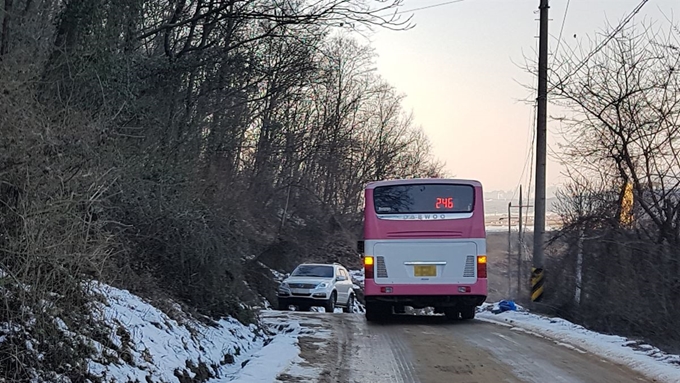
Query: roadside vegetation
(621, 211)
(174, 147)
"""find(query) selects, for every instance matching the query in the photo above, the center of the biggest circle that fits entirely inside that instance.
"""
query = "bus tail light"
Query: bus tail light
(368, 267)
(481, 266)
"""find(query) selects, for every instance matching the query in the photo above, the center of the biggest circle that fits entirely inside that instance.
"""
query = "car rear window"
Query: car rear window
(424, 198)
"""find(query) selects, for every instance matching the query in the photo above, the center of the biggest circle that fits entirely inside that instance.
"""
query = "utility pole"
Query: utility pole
(579, 267)
(510, 248)
(519, 253)
(541, 144)
(519, 248)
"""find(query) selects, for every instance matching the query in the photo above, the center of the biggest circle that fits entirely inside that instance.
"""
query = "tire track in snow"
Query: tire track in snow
(380, 355)
(352, 352)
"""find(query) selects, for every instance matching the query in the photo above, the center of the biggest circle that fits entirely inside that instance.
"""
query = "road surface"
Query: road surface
(345, 348)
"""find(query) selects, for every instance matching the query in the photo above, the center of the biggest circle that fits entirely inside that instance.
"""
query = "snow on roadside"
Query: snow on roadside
(290, 364)
(643, 358)
(144, 344)
(278, 276)
(134, 341)
(266, 364)
(277, 356)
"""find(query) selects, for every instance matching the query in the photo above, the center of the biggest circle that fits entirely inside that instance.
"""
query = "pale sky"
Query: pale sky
(459, 68)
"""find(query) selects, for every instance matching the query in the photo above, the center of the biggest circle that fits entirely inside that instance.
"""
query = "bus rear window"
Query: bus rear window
(425, 198)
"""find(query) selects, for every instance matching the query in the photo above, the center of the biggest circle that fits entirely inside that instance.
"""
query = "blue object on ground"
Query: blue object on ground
(507, 306)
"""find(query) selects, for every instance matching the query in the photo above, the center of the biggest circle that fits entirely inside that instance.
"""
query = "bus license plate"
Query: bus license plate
(425, 271)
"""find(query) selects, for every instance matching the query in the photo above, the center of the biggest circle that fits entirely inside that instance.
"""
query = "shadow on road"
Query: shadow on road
(405, 319)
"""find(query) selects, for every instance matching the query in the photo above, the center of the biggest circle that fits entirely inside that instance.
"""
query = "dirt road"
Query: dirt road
(428, 350)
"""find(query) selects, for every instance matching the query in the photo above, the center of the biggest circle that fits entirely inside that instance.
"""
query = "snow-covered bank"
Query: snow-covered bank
(131, 340)
(281, 356)
(311, 333)
(145, 344)
(644, 358)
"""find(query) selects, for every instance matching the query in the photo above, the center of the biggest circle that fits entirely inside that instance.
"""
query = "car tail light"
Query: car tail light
(368, 267)
(481, 266)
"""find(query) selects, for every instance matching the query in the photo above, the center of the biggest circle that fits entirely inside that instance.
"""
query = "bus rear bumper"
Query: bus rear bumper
(425, 295)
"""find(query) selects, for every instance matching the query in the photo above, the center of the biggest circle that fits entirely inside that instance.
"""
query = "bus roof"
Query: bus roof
(415, 181)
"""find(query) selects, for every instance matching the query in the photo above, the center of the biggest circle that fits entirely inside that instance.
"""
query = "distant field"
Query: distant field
(502, 270)
(497, 251)
(500, 206)
(499, 222)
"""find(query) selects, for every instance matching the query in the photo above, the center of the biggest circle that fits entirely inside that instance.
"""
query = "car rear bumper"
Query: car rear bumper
(316, 296)
(300, 301)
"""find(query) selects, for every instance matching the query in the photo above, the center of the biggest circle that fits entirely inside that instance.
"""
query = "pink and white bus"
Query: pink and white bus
(424, 246)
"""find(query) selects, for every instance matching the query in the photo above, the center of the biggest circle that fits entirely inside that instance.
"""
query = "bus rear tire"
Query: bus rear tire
(376, 312)
(468, 312)
(451, 313)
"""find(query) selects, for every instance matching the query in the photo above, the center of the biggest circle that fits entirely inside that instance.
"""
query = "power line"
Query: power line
(557, 50)
(531, 167)
(606, 40)
(530, 137)
(529, 161)
(559, 39)
(429, 6)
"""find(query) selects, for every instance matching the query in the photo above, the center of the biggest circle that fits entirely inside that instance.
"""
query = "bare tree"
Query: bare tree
(623, 105)
(161, 145)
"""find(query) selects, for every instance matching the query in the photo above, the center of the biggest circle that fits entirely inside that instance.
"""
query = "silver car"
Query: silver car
(317, 284)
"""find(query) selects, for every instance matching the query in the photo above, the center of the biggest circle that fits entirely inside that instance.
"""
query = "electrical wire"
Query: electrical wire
(429, 6)
(531, 170)
(531, 133)
(606, 40)
(528, 159)
(559, 39)
(556, 52)
(530, 162)
(599, 47)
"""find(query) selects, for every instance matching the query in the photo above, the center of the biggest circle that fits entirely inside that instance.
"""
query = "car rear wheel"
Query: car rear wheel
(350, 305)
(282, 305)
